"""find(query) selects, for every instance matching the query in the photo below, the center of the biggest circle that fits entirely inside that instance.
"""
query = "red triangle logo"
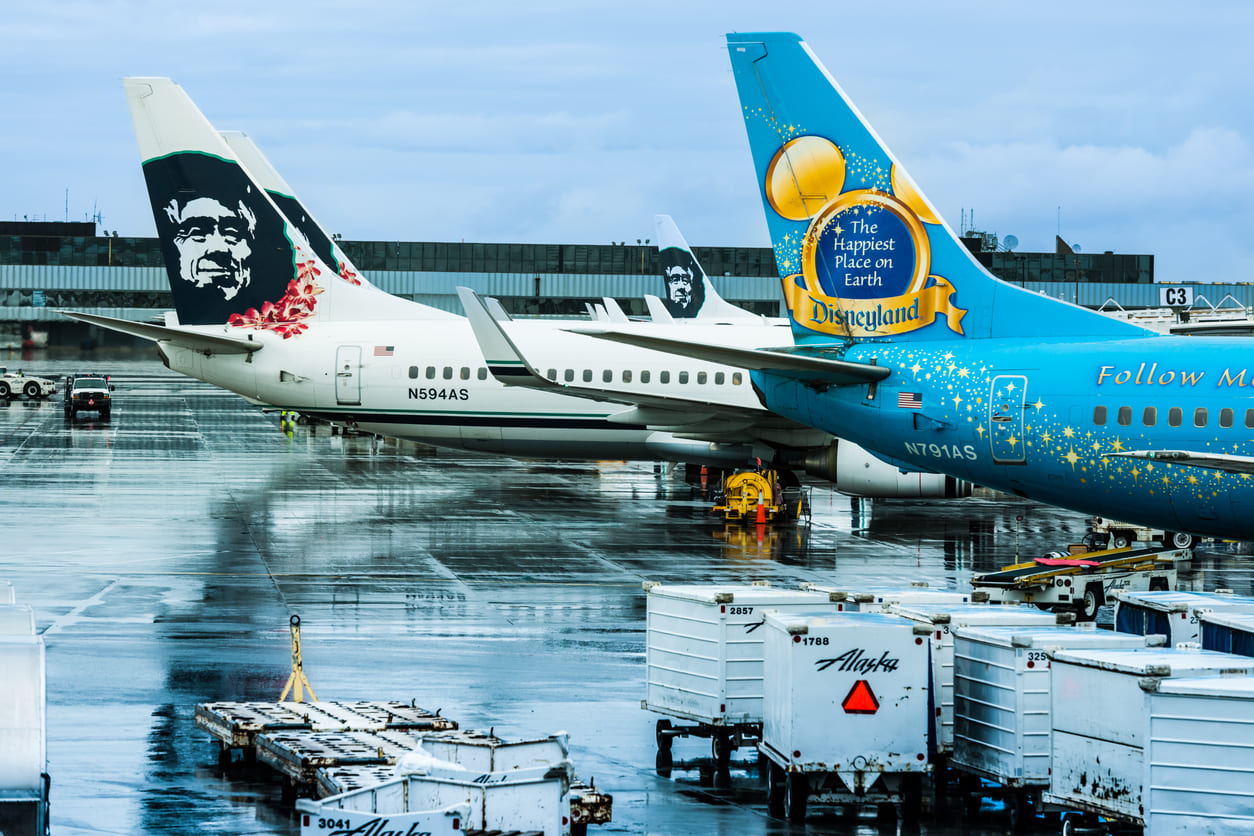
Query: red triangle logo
(861, 699)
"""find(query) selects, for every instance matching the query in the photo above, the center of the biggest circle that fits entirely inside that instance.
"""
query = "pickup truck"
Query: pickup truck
(88, 393)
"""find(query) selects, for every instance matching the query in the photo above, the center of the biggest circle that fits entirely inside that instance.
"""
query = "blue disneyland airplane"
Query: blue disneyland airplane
(907, 346)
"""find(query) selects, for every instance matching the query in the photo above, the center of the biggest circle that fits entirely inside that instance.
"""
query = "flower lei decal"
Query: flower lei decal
(287, 316)
(348, 274)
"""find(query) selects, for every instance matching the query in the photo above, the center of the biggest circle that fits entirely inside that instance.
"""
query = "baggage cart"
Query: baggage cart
(1227, 632)
(17, 620)
(846, 711)
(941, 620)
(1001, 708)
(448, 801)
(703, 661)
(23, 742)
(879, 599)
(1099, 705)
(1197, 762)
(1173, 614)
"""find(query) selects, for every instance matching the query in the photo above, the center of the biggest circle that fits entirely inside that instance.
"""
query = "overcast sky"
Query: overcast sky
(1125, 126)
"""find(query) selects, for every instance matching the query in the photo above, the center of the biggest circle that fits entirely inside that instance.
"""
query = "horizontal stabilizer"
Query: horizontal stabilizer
(1215, 461)
(195, 340)
(787, 361)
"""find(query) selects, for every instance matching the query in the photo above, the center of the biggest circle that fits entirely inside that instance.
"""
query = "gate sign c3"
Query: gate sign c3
(1175, 296)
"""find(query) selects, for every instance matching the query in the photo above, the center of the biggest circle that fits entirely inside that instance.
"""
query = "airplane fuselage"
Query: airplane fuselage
(1036, 417)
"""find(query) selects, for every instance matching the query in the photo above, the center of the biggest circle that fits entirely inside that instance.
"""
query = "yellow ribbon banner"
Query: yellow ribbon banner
(873, 317)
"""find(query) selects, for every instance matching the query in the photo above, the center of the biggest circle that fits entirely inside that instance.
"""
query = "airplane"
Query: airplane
(269, 308)
(905, 345)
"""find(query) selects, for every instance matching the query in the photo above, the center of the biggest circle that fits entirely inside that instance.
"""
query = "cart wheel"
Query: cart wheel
(721, 749)
(912, 797)
(1093, 599)
(1070, 824)
(1120, 539)
(663, 763)
(1180, 540)
(775, 790)
(664, 738)
(796, 791)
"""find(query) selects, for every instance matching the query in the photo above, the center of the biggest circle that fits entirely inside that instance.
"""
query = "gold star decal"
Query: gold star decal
(957, 400)
(1067, 432)
(963, 372)
(1071, 457)
(1038, 404)
(980, 430)
(1118, 446)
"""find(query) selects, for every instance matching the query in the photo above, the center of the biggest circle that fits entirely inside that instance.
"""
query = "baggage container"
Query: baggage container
(1227, 632)
(1198, 758)
(1001, 708)
(448, 801)
(941, 620)
(6, 593)
(17, 620)
(1099, 705)
(878, 599)
(703, 660)
(23, 753)
(846, 710)
(1173, 614)
(485, 752)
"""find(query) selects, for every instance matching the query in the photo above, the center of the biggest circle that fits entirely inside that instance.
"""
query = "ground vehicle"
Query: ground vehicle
(88, 392)
(32, 387)
(1106, 533)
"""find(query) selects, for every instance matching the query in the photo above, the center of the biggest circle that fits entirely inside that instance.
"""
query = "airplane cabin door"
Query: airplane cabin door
(1007, 403)
(348, 374)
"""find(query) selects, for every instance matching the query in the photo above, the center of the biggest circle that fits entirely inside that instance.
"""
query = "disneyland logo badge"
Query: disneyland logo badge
(865, 256)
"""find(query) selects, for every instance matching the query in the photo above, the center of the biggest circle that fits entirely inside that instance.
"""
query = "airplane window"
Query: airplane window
(1175, 416)
(553, 374)
(607, 376)
(1199, 417)
(1125, 416)
(448, 372)
(430, 372)
(683, 377)
(570, 375)
(483, 374)
(1249, 417)
(1225, 417)
(626, 375)
(413, 372)
(587, 375)
(465, 372)
(664, 377)
(644, 377)
(719, 377)
(1099, 416)
(1150, 416)
(700, 377)
(736, 378)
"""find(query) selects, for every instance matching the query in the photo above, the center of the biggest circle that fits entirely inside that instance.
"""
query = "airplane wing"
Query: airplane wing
(208, 343)
(507, 363)
(803, 363)
(1215, 461)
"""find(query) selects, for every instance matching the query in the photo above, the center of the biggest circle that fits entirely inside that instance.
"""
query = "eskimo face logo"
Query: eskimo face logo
(685, 285)
(862, 268)
(214, 242)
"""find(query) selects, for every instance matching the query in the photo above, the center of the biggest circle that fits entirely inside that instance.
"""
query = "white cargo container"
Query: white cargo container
(1227, 632)
(1173, 614)
(6, 593)
(846, 710)
(1001, 707)
(879, 599)
(1099, 702)
(1198, 760)
(942, 620)
(23, 754)
(704, 660)
(485, 752)
(521, 799)
(17, 620)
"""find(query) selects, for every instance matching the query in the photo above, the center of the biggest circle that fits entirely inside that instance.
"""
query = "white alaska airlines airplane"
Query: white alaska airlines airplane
(268, 307)
(908, 347)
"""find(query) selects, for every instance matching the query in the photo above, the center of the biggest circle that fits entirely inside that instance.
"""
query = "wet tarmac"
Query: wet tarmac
(164, 551)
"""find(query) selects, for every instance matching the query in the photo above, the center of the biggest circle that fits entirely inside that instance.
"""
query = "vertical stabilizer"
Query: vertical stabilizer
(862, 254)
(689, 292)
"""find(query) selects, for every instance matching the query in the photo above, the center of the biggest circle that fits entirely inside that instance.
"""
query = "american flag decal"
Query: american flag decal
(383, 350)
(910, 400)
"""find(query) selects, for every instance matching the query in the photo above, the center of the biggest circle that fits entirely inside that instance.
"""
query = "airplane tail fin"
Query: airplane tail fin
(265, 175)
(232, 257)
(689, 292)
(862, 254)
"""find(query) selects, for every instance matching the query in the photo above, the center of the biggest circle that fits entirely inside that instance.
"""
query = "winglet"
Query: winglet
(657, 310)
(504, 360)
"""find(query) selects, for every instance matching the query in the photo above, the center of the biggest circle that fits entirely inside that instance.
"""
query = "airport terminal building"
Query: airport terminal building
(46, 266)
